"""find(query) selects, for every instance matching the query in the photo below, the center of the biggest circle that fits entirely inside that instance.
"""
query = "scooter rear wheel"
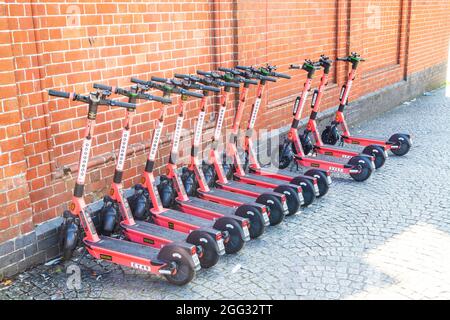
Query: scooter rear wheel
(255, 217)
(308, 193)
(322, 181)
(377, 152)
(209, 256)
(274, 205)
(404, 143)
(365, 168)
(235, 241)
(184, 271)
(292, 199)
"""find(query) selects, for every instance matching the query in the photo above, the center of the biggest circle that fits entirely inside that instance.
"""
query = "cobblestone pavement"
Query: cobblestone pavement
(388, 237)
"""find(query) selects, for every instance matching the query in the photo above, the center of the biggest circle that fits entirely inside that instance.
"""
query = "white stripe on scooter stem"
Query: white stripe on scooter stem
(302, 106)
(123, 150)
(255, 113)
(177, 135)
(220, 119)
(347, 92)
(84, 159)
(198, 129)
(155, 142)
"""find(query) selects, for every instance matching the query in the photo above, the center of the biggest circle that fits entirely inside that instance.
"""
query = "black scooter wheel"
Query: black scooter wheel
(235, 241)
(322, 181)
(285, 155)
(404, 143)
(292, 199)
(210, 255)
(275, 207)
(364, 165)
(255, 217)
(184, 270)
(309, 196)
(330, 135)
(377, 152)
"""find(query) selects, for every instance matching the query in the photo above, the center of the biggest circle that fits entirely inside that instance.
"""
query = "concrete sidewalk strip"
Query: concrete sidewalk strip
(386, 238)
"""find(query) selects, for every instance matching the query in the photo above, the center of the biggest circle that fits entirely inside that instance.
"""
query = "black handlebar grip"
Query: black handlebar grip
(139, 81)
(250, 81)
(243, 67)
(158, 79)
(265, 78)
(122, 104)
(209, 88)
(203, 73)
(182, 76)
(162, 99)
(190, 93)
(280, 75)
(60, 94)
(102, 87)
(225, 69)
(232, 84)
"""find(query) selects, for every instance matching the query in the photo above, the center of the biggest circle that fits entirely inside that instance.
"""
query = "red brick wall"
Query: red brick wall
(70, 45)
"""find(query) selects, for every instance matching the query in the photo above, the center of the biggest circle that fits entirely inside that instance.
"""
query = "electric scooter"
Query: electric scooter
(314, 183)
(399, 143)
(374, 152)
(175, 261)
(289, 195)
(143, 232)
(230, 192)
(193, 176)
(359, 168)
(234, 228)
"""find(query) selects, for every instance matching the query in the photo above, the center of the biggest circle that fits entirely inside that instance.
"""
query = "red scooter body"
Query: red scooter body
(167, 261)
(359, 168)
(399, 143)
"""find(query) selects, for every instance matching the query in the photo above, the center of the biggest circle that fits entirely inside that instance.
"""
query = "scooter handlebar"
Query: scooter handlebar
(280, 75)
(266, 78)
(208, 88)
(159, 79)
(190, 93)
(243, 67)
(139, 81)
(204, 73)
(229, 70)
(102, 87)
(161, 99)
(60, 94)
(126, 105)
(187, 77)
